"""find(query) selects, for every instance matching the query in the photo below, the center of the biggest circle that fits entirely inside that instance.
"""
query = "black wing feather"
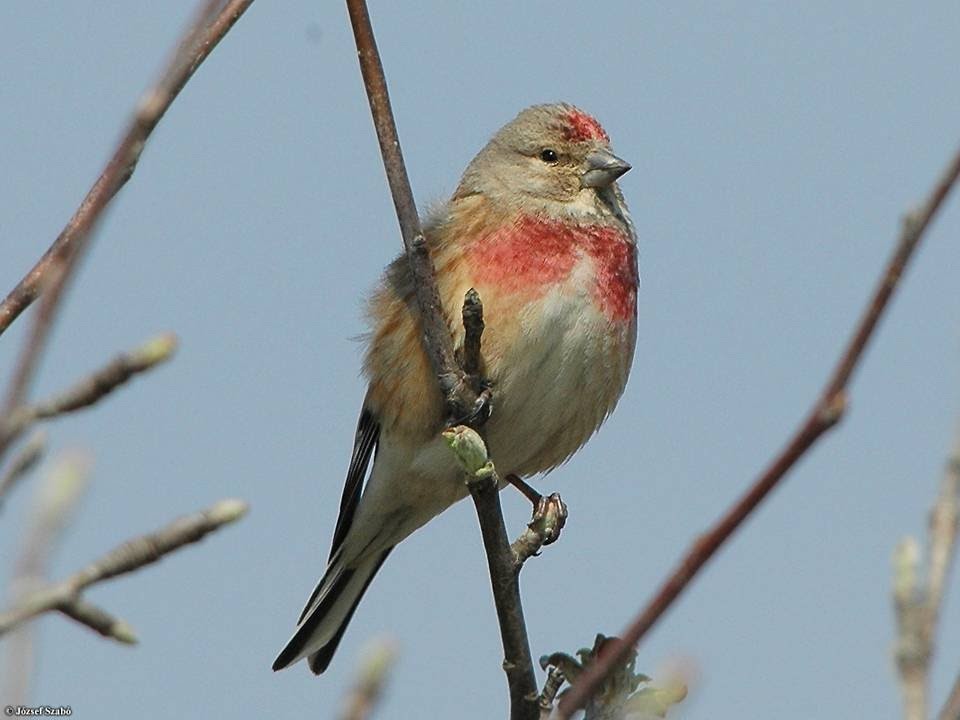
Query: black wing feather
(364, 444)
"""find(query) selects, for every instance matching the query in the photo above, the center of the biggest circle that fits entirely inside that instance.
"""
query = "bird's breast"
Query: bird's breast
(533, 256)
(560, 310)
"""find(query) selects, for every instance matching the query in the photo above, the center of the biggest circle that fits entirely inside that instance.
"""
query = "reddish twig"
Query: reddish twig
(211, 24)
(459, 393)
(437, 341)
(826, 412)
(51, 275)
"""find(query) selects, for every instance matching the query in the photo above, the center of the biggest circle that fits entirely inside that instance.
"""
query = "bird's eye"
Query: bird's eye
(548, 155)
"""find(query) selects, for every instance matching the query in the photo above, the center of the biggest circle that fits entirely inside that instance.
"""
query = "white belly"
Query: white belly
(561, 377)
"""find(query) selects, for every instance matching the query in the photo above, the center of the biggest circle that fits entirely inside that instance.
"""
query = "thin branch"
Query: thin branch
(942, 536)
(125, 558)
(99, 620)
(52, 273)
(462, 396)
(505, 579)
(213, 20)
(912, 653)
(917, 605)
(90, 389)
(484, 484)
(57, 498)
(458, 395)
(825, 413)
(22, 463)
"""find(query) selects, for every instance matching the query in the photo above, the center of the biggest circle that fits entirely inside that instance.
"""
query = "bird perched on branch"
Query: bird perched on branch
(539, 228)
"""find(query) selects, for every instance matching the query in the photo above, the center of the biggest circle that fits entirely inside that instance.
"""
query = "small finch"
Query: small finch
(540, 229)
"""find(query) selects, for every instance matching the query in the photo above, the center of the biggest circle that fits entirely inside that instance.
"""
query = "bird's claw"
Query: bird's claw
(481, 411)
(549, 517)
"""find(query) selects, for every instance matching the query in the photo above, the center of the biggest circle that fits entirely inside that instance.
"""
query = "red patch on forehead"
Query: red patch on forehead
(528, 258)
(580, 126)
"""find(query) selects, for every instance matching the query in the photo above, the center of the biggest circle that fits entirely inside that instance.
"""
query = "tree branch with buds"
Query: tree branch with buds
(57, 497)
(825, 414)
(66, 596)
(917, 603)
(48, 280)
(464, 395)
(89, 390)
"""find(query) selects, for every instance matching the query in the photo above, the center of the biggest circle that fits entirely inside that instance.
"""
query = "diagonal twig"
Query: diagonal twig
(22, 463)
(437, 341)
(123, 559)
(826, 412)
(53, 271)
(89, 389)
(57, 497)
(460, 397)
(212, 22)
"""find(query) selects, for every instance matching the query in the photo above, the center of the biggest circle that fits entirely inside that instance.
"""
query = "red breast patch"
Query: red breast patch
(528, 257)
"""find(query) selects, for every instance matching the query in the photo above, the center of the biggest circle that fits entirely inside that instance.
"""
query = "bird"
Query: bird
(539, 228)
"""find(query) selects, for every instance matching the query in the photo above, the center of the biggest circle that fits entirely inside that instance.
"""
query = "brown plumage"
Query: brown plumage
(539, 228)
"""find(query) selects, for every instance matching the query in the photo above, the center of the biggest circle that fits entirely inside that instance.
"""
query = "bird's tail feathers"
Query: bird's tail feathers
(328, 612)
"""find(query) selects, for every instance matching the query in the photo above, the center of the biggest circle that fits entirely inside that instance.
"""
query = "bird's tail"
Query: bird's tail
(328, 612)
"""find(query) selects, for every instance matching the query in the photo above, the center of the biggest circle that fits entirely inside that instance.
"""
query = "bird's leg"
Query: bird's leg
(529, 492)
(549, 511)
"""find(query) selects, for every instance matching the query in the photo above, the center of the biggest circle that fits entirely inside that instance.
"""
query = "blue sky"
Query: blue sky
(774, 148)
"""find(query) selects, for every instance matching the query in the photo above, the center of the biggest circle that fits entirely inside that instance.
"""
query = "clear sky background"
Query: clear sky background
(775, 149)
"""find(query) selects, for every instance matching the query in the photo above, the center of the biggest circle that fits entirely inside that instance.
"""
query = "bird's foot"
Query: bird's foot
(549, 517)
(480, 412)
(549, 511)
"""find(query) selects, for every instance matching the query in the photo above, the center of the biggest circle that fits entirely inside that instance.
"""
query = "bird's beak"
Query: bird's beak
(602, 168)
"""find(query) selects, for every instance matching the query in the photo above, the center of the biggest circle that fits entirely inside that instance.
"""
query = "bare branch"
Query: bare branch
(458, 395)
(125, 558)
(57, 497)
(461, 396)
(22, 463)
(912, 653)
(90, 389)
(942, 536)
(213, 20)
(917, 605)
(826, 412)
(99, 620)
(484, 483)
(52, 273)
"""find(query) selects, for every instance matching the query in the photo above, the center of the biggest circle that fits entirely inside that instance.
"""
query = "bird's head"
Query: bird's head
(548, 154)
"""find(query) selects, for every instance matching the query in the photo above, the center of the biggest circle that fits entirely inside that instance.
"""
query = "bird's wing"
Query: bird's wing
(364, 447)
